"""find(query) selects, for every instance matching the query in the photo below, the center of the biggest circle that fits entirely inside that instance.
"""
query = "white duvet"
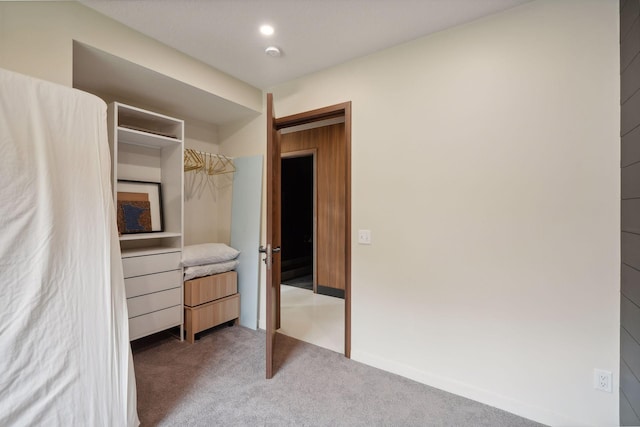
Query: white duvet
(64, 347)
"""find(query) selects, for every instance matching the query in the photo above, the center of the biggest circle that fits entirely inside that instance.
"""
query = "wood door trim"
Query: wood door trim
(332, 111)
(299, 153)
(347, 284)
(324, 113)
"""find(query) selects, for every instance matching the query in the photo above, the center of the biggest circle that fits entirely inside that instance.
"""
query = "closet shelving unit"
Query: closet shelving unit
(148, 147)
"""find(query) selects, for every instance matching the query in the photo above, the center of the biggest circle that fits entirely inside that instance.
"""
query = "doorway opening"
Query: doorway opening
(313, 229)
(298, 220)
(333, 210)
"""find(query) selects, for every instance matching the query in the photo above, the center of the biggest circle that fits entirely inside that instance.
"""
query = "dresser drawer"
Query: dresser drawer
(154, 322)
(151, 283)
(208, 315)
(148, 264)
(210, 288)
(153, 302)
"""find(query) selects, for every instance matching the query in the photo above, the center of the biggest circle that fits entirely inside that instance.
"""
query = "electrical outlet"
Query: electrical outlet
(364, 237)
(602, 380)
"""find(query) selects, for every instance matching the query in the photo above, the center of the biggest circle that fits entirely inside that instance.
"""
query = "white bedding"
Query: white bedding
(209, 269)
(64, 343)
(207, 253)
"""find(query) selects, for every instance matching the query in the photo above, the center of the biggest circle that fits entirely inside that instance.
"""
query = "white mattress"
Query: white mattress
(64, 344)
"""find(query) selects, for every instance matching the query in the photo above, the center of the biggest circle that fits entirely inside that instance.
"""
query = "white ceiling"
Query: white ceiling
(312, 34)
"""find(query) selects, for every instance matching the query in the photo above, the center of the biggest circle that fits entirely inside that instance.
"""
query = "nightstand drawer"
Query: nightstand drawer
(151, 283)
(210, 288)
(153, 302)
(206, 316)
(148, 264)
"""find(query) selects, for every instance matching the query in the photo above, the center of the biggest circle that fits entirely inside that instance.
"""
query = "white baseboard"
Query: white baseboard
(487, 397)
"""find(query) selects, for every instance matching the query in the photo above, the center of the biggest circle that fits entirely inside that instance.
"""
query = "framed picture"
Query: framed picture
(139, 207)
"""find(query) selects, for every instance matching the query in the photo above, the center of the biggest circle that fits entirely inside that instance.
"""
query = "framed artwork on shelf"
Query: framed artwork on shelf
(139, 207)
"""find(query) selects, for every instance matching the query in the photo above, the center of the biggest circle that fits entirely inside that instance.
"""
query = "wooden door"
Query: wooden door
(272, 249)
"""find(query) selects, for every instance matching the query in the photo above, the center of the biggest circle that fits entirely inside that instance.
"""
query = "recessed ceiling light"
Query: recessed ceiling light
(272, 51)
(266, 30)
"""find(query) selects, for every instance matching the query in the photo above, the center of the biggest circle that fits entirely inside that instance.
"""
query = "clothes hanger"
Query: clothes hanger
(192, 160)
(225, 165)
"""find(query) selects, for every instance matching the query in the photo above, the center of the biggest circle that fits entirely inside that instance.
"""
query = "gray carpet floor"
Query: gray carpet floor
(219, 380)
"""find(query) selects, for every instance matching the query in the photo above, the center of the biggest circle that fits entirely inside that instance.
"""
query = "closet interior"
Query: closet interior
(174, 192)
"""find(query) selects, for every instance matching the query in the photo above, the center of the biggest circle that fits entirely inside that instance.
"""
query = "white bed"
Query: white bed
(64, 344)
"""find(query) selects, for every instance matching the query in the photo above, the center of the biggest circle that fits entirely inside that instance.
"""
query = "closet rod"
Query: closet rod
(199, 161)
(209, 154)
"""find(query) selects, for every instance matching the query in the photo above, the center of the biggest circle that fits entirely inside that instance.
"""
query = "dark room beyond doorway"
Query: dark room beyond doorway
(297, 221)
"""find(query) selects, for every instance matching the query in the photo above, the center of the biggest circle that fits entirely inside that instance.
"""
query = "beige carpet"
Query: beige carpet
(219, 380)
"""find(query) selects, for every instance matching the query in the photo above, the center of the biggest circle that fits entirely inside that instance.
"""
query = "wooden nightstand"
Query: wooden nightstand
(210, 301)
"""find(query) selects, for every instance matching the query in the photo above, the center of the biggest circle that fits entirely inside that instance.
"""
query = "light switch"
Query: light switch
(364, 237)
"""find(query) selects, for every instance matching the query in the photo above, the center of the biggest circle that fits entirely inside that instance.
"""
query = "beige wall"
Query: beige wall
(486, 164)
(207, 212)
(36, 39)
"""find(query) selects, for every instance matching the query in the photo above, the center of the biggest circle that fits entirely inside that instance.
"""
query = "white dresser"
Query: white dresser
(153, 280)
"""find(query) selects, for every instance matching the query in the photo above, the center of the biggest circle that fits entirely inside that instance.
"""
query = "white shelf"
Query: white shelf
(148, 147)
(129, 113)
(150, 250)
(144, 236)
(145, 139)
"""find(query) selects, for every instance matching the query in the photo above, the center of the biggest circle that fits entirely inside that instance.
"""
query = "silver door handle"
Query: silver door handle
(267, 252)
(268, 260)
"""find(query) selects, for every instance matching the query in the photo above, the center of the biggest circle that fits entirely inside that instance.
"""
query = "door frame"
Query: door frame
(332, 111)
(314, 153)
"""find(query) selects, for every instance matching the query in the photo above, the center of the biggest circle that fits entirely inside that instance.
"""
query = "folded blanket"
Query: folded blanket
(207, 253)
(209, 269)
